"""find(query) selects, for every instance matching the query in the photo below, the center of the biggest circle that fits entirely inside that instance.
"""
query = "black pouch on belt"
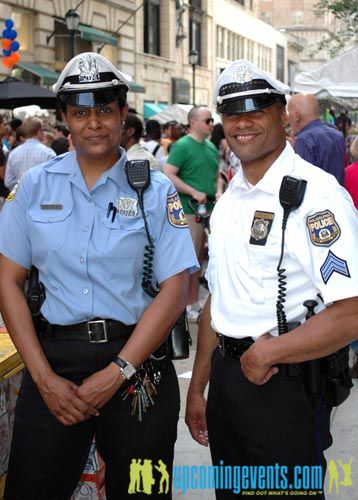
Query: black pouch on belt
(337, 380)
(180, 339)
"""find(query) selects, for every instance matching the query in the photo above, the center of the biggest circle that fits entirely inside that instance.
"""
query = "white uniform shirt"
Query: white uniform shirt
(320, 255)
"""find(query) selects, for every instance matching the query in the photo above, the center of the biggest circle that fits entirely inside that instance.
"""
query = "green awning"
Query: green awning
(162, 105)
(136, 87)
(151, 109)
(47, 75)
(95, 35)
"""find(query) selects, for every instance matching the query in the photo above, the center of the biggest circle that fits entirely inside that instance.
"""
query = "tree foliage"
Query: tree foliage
(347, 12)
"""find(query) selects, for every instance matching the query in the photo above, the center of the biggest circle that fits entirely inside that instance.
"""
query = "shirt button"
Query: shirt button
(85, 291)
(85, 228)
(82, 260)
(89, 200)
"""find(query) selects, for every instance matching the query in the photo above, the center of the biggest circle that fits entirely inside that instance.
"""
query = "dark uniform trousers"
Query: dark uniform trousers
(47, 458)
(274, 423)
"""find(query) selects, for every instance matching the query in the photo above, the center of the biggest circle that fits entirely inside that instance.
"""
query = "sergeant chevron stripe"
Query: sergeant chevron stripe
(333, 264)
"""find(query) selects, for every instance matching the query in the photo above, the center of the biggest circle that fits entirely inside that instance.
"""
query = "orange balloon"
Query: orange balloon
(7, 62)
(6, 43)
(15, 58)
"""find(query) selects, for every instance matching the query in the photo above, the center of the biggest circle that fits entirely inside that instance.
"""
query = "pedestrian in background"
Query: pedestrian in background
(316, 142)
(193, 167)
(25, 156)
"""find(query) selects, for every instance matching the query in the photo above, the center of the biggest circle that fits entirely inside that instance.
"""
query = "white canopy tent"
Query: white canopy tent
(336, 81)
(178, 112)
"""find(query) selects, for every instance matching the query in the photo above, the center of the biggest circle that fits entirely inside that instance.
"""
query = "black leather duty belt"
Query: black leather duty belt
(228, 346)
(96, 331)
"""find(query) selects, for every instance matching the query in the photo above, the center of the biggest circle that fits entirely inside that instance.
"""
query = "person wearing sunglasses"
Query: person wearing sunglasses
(192, 165)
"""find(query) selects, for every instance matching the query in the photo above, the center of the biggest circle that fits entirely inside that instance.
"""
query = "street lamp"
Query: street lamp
(193, 60)
(72, 20)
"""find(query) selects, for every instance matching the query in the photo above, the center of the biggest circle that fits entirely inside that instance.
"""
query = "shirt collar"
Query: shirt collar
(271, 181)
(310, 125)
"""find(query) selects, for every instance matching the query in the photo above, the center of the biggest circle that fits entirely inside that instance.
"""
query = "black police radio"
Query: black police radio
(138, 177)
(291, 195)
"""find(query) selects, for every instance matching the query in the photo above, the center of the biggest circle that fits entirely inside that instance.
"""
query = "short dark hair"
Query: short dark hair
(133, 121)
(15, 123)
(62, 128)
(153, 129)
(60, 145)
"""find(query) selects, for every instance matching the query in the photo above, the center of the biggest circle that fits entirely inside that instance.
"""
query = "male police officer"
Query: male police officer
(98, 324)
(258, 413)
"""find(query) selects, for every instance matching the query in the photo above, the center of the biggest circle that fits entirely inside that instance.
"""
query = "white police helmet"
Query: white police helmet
(90, 80)
(242, 87)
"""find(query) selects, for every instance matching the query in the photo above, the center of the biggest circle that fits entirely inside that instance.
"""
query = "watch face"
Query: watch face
(128, 371)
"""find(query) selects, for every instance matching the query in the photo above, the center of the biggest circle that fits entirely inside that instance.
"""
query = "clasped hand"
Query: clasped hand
(71, 403)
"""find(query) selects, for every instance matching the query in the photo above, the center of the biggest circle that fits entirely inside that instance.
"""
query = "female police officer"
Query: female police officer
(90, 265)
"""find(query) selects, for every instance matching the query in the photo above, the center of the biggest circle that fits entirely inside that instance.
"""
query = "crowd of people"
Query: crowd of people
(119, 264)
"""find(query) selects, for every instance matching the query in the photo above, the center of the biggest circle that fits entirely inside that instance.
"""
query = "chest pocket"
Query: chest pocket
(124, 237)
(49, 228)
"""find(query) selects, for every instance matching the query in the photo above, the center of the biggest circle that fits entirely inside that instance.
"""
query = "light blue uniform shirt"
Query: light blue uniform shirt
(89, 266)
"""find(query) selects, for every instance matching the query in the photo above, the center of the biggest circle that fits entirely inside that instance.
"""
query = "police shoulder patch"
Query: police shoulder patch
(175, 212)
(323, 228)
(12, 193)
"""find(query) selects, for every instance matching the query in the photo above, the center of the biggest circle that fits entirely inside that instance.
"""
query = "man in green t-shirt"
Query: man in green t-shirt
(192, 165)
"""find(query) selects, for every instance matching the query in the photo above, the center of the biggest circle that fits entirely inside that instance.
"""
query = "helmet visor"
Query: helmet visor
(248, 104)
(94, 99)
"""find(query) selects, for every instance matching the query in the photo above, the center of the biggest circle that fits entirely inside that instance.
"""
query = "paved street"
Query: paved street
(344, 429)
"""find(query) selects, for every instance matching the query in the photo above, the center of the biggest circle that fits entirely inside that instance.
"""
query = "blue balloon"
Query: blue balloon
(13, 34)
(15, 46)
(6, 52)
(6, 33)
(9, 23)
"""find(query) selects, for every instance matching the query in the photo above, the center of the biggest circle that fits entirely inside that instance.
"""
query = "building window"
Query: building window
(250, 50)
(152, 27)
(266, 17)
(219, 42)
(63, 46)
(297, 17)
(110, 53)
(291, 71)
(195, 27)
(280, 65)
(195, 3)
(24, 25)
(241, 2)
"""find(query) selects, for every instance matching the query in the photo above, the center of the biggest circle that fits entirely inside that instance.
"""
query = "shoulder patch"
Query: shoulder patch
(175, 211)
(12, 193)
(323, 228)
(333, 264)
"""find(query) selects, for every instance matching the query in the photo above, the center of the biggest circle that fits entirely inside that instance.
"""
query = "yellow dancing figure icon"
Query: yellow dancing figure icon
(147, 477)
(162, 468)
(333, 476)
(134, 476)
(347, 471)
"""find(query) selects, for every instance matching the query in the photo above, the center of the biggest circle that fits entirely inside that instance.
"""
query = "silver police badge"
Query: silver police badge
(259, 229)
(89, 69)
(127, 207)
(242, 73)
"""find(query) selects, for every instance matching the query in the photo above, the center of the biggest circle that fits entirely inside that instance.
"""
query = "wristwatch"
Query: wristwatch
(126, 368)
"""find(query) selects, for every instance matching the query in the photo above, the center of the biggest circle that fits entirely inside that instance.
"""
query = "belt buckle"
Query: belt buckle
(221, 344)
(93, 334)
